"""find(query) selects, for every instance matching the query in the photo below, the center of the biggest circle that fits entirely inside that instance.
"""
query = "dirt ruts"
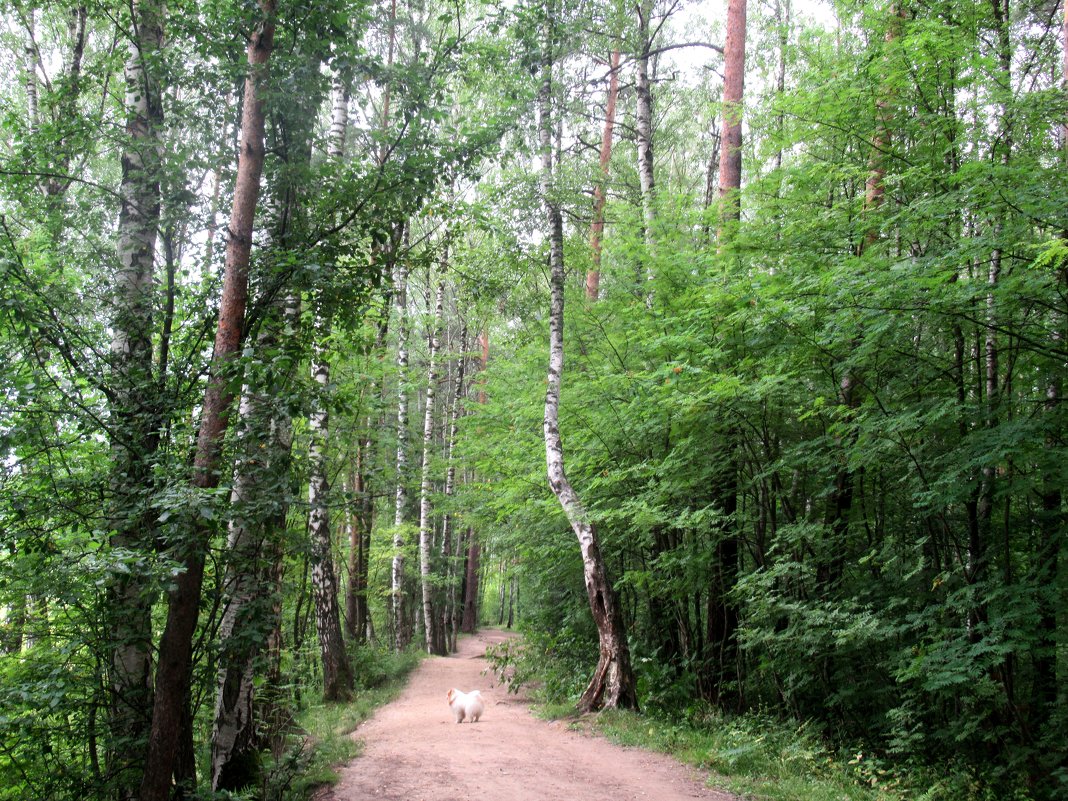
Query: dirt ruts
(415, 752)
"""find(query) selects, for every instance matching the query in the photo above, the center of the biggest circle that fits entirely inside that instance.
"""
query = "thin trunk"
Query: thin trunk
(471, 572)
(355, 622)
(593, 276)
(721, 637)
(471, 584)
(175, 649)
(30, 66)
(644, 123)
(401, 496)
(447, 549)
(135, 438)
(337, 673)
(613, 683)
(425, 531)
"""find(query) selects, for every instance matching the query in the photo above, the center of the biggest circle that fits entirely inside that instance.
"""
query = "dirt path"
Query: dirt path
(415, 752)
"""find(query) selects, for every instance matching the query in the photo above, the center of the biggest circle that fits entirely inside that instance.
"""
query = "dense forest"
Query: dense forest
(287, 386)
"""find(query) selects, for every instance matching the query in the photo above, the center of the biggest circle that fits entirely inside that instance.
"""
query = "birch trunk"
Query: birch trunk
(644, 123)
(254, 554)
(135, 438)
(175, 648)
(401, 495)
(449, 621)
(425, 531)
(593, 276)
(612, 684)
(337, 673)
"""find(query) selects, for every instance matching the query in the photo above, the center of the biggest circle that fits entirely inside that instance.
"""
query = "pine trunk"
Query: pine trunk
(730, 153)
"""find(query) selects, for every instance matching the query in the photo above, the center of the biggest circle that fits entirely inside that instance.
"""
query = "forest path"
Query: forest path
(415, 752)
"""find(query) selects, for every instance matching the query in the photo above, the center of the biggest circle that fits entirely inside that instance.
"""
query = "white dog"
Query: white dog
(466, 705)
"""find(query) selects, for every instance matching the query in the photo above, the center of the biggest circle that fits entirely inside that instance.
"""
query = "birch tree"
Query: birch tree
(337, 674)
(612, 684)
(135, 416)
(425, 530)
(400, 293)
(175, 649)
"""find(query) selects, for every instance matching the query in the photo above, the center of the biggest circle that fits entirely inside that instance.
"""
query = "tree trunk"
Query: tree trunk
(425, 531)
(593, 276)
(471, 584)
(135, 437)
(451, 553)
(644, 122)
(175, 648)
(612, 684)
(730, 153)
(254, 548)
(337, 673)
(400, 639)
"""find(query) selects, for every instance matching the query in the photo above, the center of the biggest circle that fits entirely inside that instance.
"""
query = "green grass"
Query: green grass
(322, 741)
(763, 758)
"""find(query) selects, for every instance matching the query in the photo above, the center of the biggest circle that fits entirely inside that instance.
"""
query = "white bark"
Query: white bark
(424, 483)
(337, 676)
(132, 375)
(613, 680)
(447, 548)
(401, 496)
(644, 123)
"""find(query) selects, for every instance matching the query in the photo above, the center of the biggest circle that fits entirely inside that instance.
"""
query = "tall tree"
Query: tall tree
(136, 418)
(400, 293)
(175, 649)
(425, 524)
(644, 120)
(593, 275)
(613, 683)
(337, 673)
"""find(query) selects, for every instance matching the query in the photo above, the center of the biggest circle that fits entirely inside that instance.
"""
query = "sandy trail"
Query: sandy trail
(415, 752)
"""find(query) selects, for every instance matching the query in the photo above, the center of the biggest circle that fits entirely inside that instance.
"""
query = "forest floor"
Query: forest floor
(413, 751)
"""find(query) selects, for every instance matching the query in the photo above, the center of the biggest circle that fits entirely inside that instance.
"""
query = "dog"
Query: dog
(465, 705)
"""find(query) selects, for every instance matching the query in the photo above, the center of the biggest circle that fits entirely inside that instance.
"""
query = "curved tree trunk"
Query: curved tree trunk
(612, 684)
(254, 552)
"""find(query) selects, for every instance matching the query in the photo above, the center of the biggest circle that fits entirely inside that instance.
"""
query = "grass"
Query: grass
(763, 758)
(323, 742)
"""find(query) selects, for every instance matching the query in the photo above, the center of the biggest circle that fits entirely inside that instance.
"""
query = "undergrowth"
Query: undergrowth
(319, 740)
(756, 755)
